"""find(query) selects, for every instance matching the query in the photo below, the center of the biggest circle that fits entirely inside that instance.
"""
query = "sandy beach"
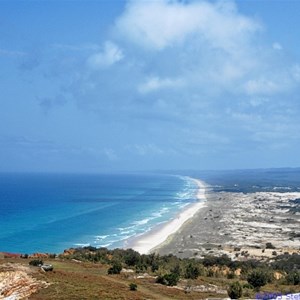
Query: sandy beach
(240, 225)
(237, 224)
(148, 242)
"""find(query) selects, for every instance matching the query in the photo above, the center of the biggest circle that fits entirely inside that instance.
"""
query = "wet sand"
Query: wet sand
(146, 243)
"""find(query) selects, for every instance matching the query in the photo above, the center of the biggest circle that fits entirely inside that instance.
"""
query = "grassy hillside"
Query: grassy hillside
(83, 274)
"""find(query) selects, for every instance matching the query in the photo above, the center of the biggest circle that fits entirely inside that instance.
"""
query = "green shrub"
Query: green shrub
(36, 262)
(116, 268)
(235, 290)
(154, 266)
(287, 262)
(223, 260)
(139, 268)
(270, 246)
(132, 286)
(191, 271)
(293, 278)
(176, 270)
(231, 275)
(132, 257)
(257, 278)
(169, 279)
(247, 286)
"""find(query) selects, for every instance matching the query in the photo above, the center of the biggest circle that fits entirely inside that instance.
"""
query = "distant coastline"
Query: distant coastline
(251, 225)
(149, 241)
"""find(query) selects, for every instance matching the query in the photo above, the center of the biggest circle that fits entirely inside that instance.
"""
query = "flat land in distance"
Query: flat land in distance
(239, 225)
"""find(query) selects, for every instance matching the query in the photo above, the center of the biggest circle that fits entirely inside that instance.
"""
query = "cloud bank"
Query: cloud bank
(185, 79)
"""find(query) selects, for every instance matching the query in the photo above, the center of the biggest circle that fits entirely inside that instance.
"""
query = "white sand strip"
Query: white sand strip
(157, 236)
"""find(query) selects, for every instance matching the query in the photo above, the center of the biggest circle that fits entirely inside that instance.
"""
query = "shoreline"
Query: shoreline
(151, 240)
(240, 225)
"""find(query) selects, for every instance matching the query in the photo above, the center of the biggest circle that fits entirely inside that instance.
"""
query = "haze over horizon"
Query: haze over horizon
(95, 86)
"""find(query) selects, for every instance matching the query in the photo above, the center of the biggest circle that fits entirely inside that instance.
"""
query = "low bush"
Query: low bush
(191, 272)
(116, 268)
(132, 286)
(257, 278)
(235, 290)
(169, 279)
(36, 262)
(293, 278)
(270, 246)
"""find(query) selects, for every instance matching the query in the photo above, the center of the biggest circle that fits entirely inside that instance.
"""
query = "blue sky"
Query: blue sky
(102, 86)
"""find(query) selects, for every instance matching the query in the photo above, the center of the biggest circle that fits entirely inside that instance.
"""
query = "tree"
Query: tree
(115, 269)
(191, 271)
(132, 257)
(36, 262)
(169, 279)
(257, 279)
(154, 266)
(176, 270)
(293, 278)
(235, 290)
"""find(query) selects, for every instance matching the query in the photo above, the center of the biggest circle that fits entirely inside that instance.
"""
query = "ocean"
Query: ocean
(53, 212)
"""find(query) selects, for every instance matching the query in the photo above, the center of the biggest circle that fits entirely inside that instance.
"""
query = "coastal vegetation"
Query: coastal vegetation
(36, 262)
(241, 278)
(235, 290)
(257, 273)
(100, 273)
(259, 278)
(133, 286)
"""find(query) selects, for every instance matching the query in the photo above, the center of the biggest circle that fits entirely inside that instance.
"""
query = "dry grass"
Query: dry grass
(73, 280)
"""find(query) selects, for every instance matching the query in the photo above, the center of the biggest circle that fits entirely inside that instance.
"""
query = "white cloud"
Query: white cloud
(209, 46)
(258, 101)
(159, 24)
(189, 64)
(156, 83)
(110, 55)
(185, 56)
(262, 87)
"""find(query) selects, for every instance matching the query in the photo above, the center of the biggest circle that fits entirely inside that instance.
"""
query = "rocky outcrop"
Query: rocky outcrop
(39, 255)
(69, 251)
(16, 282)
(9, 255)
(203, 288)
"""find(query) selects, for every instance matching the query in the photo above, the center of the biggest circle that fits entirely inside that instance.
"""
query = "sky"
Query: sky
(107, 86)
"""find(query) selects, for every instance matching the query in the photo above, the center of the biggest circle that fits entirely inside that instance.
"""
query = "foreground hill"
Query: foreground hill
(90, 273)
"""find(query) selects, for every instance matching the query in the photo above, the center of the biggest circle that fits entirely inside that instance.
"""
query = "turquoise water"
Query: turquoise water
(50, 212)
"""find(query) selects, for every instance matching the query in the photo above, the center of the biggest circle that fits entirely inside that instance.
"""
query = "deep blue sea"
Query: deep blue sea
(51, 212)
